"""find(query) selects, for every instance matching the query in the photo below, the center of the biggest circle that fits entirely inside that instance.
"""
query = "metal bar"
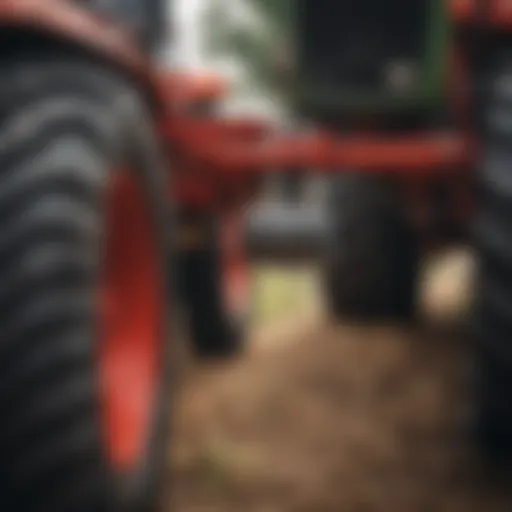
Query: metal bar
(230, 148)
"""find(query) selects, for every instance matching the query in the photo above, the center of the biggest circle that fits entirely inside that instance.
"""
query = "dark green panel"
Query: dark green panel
(318, 88)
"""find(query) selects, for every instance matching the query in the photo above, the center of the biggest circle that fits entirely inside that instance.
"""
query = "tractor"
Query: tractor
(107, 175)
(417, 94)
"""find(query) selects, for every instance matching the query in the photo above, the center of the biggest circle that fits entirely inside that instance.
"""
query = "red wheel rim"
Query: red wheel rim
(131, 313)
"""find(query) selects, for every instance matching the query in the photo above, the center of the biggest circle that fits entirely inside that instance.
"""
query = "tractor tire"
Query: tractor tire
(215, 332)
(84, 358)
(370, 261)
(493, 240)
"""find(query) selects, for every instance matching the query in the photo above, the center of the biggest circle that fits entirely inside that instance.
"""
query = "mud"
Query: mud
(341, 419)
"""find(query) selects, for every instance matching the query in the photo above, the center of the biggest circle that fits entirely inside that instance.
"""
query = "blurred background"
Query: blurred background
(317, 417)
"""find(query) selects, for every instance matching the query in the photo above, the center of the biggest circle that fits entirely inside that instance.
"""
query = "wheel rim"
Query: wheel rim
(131, 314)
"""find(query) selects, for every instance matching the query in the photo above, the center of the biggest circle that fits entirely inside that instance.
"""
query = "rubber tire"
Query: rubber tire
(493, 239)
(65, 124)
(213, 331)
(370, 262)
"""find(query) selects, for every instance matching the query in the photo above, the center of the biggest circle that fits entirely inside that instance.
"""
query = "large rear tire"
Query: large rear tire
(84, 362)
(370, 264)
(494, 285)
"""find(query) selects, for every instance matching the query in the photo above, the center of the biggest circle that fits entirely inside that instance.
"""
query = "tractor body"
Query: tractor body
(389, 71)
(412, 103)
(366, 58)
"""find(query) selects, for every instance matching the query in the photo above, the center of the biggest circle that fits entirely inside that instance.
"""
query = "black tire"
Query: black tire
(494, 285)
(65, 126)
(371, 259)
(214, 330)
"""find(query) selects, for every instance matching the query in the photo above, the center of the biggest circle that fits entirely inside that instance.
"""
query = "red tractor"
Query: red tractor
(418, 94)
(90, 127)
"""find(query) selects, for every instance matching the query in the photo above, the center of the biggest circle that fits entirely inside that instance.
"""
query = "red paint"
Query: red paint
(463, 11)
(183, 90)
(485, 13)
(500, 13)
(68, 21)
(236, 271)
(220, 148)
(131, 325)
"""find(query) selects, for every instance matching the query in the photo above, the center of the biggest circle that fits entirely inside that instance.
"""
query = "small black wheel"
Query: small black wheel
(371, 257)
(84, 355)
(215, 330)
(494, 286)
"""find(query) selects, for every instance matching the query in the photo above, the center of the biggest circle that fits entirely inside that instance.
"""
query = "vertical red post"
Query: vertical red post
(236, 270)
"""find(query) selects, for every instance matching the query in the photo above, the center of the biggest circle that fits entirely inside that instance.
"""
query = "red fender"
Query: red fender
(69, 22)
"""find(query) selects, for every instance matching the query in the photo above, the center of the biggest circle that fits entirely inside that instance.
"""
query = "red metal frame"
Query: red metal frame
(228, 151)
(183, 90)
(233, 148)
(485, 13)
(236, 272)
(213, 154)
(67, 21)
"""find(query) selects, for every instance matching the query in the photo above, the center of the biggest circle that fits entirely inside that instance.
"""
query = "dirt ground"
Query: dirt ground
(331, 418)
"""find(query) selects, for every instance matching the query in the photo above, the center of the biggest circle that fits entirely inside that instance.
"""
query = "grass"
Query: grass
(280, 292)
